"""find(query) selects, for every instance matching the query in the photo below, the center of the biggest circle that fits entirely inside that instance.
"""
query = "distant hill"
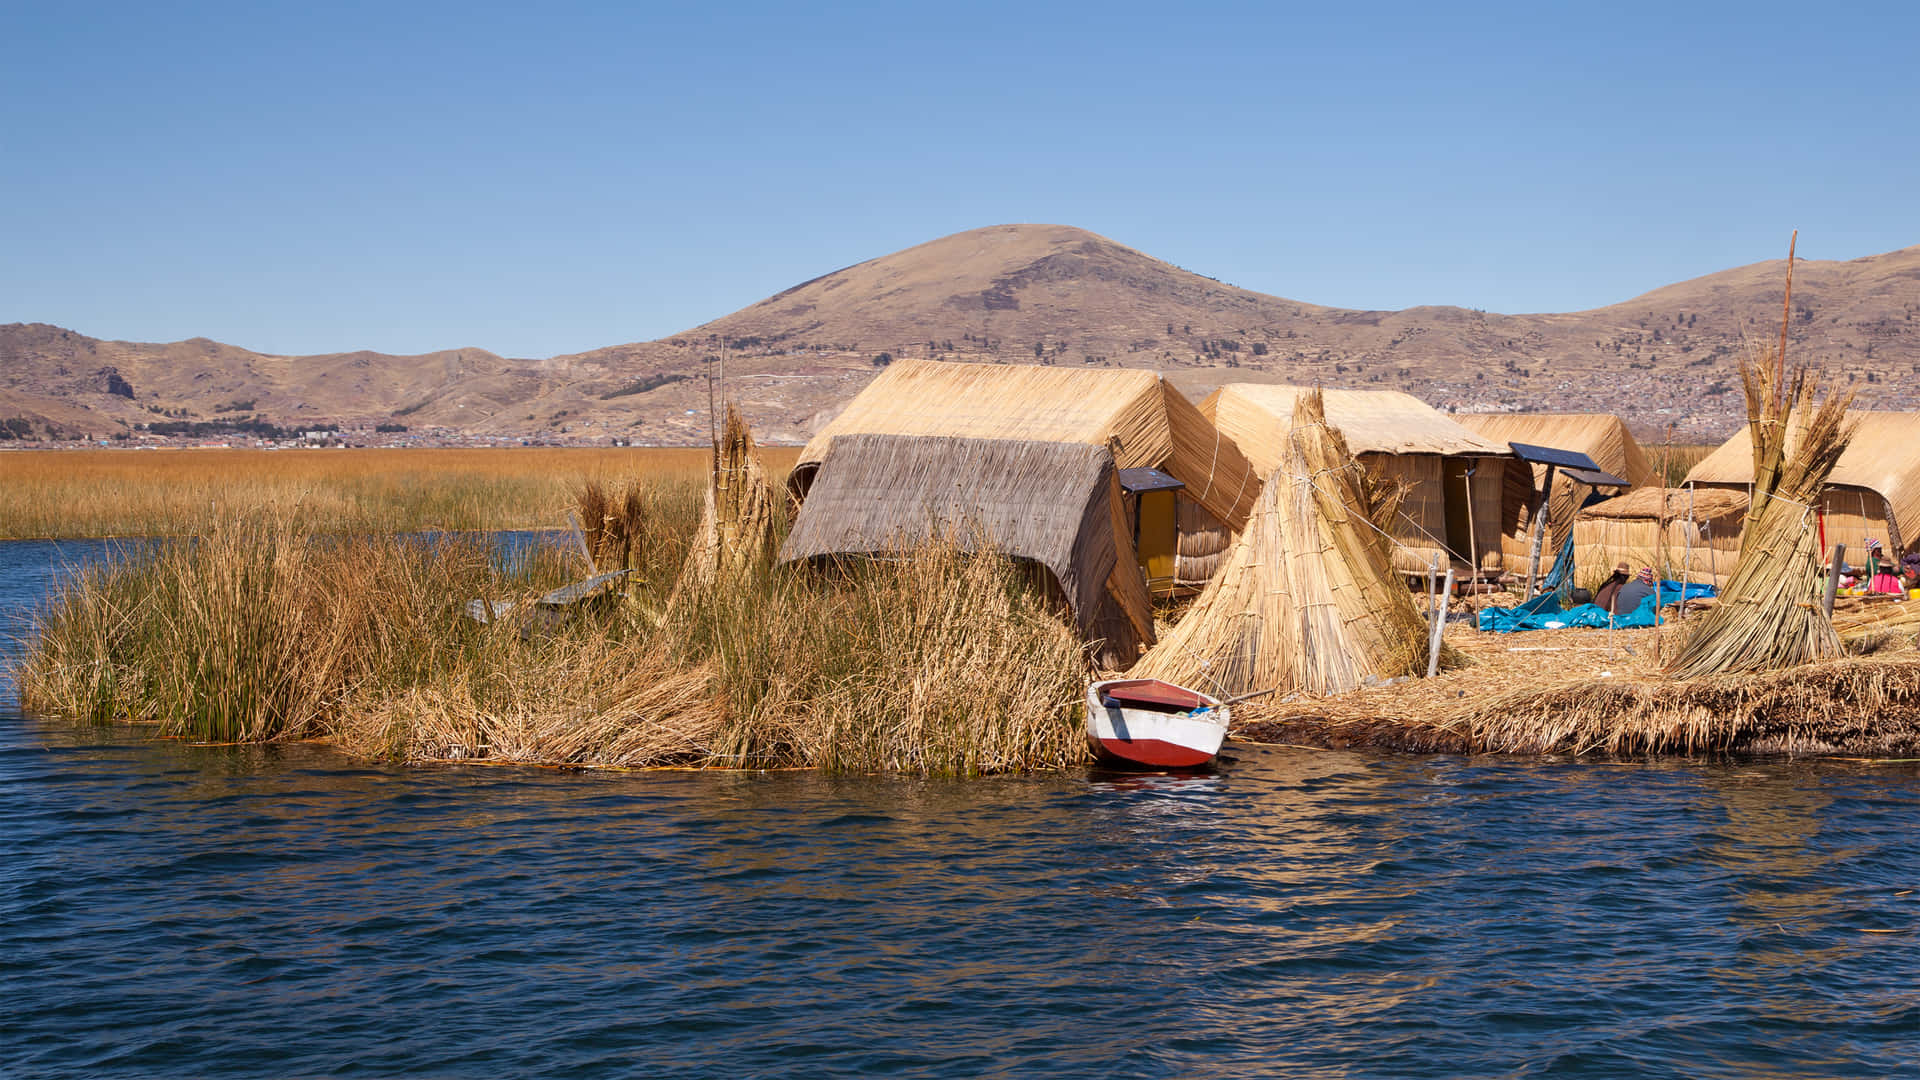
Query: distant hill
(1025, 294)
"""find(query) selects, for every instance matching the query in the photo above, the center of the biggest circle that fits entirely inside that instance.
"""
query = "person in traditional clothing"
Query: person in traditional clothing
(1622, 573)
(1630, 596)
(1910, 570)
(1880, 570)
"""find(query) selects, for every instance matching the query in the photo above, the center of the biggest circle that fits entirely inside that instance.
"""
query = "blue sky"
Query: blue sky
(539, 179)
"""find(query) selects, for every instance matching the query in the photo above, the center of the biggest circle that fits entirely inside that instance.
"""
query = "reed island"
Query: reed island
(931, 586)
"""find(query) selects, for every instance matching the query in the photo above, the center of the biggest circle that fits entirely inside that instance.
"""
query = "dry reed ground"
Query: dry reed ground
(1570, 691)
(74, 493)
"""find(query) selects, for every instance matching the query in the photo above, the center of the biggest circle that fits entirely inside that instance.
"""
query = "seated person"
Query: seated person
(1880, 570)
(1629, 596)
(1604, 597)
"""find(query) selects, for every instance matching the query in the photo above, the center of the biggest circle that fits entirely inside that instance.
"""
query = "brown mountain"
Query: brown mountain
(1027, 293)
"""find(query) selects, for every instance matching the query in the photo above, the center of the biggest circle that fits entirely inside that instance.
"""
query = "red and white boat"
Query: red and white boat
(1147, 722)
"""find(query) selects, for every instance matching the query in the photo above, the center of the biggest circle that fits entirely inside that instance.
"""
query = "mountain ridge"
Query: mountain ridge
(1053, 294)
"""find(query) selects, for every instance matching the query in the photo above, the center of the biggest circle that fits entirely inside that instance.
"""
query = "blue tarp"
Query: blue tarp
(1562, 568)
(1545, 612)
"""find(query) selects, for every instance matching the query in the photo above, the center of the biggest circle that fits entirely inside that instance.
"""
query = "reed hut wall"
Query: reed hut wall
(1601, 436)
(1143, 420)
(1874, 490)
(1204, 541)
(1695, 534)
(1053, 504)
(1454, 508)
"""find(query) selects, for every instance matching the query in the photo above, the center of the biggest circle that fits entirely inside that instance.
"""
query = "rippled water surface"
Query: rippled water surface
(192, 911)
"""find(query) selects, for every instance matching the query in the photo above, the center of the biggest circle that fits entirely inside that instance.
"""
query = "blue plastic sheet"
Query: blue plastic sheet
(1545, 613)
(1562, 575)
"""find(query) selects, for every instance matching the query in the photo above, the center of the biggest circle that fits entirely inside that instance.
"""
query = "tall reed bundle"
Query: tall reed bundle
(612, 521)
(1769, 614)
(741, 524)
(1308, 601)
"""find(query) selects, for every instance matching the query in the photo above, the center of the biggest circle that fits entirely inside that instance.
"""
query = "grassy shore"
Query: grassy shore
(75, 493)
(268, 628)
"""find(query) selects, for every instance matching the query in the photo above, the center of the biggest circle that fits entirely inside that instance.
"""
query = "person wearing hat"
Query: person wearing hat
(1879, 573)
(1910, 570)
(1633, 592)
(1621, 575)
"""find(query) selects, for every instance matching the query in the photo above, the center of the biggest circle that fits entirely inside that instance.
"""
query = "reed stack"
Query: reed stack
(1769, 615)
(1308, 601)
(741, 522)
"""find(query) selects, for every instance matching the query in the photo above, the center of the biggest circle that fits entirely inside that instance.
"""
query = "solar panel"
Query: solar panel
(1596, 478)
(1547, 455)
(1138, 480)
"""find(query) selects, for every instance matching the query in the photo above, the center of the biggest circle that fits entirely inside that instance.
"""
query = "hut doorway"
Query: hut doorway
(1156, 531)
(1156, 538)
(1456, 487)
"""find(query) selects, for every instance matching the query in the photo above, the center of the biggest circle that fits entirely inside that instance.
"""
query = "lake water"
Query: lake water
(171, 910)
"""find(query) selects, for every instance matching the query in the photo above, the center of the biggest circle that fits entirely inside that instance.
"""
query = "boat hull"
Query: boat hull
(1154, 737)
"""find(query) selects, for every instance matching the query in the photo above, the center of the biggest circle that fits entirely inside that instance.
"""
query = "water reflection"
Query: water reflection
(285, 911)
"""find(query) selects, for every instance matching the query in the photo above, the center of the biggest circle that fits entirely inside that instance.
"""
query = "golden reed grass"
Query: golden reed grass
(69, 493)
(264, 629)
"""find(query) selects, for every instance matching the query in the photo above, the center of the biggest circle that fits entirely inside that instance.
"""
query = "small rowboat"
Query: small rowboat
(1147, 722)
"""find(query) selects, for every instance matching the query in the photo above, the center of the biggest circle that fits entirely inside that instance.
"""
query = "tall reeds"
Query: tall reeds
(65, 493)
(937, 662)
(257, 631)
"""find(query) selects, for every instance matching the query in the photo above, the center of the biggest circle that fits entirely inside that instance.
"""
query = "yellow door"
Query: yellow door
(1156, 539)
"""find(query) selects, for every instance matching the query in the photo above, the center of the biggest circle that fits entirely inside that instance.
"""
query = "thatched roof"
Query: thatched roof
(1256, 416)
(1884, 457)
(1051, 503)
(1645, 504)
(1601, 436)
(1142, 418)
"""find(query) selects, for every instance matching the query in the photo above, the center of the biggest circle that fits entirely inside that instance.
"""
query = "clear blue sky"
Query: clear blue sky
(546, 178)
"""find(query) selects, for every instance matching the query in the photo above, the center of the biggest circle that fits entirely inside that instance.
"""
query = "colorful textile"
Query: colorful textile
(1545, 613)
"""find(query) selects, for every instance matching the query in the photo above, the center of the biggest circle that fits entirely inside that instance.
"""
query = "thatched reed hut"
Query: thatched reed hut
(1053, 505)
(1603, 437)
(1693, 534)
(1454, 478)
(1874, 491)
(1178, 531)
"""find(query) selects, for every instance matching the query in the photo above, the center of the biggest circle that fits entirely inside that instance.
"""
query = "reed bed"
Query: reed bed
(1580, 691)
(1675, 461)
(267, 629)
(72, 493)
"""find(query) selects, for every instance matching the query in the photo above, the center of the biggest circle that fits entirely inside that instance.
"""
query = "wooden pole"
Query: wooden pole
(1539, 531)
(1686, 566)
(1833, 578)
(1786, 312)
(1473, 540)
(1439, 629)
